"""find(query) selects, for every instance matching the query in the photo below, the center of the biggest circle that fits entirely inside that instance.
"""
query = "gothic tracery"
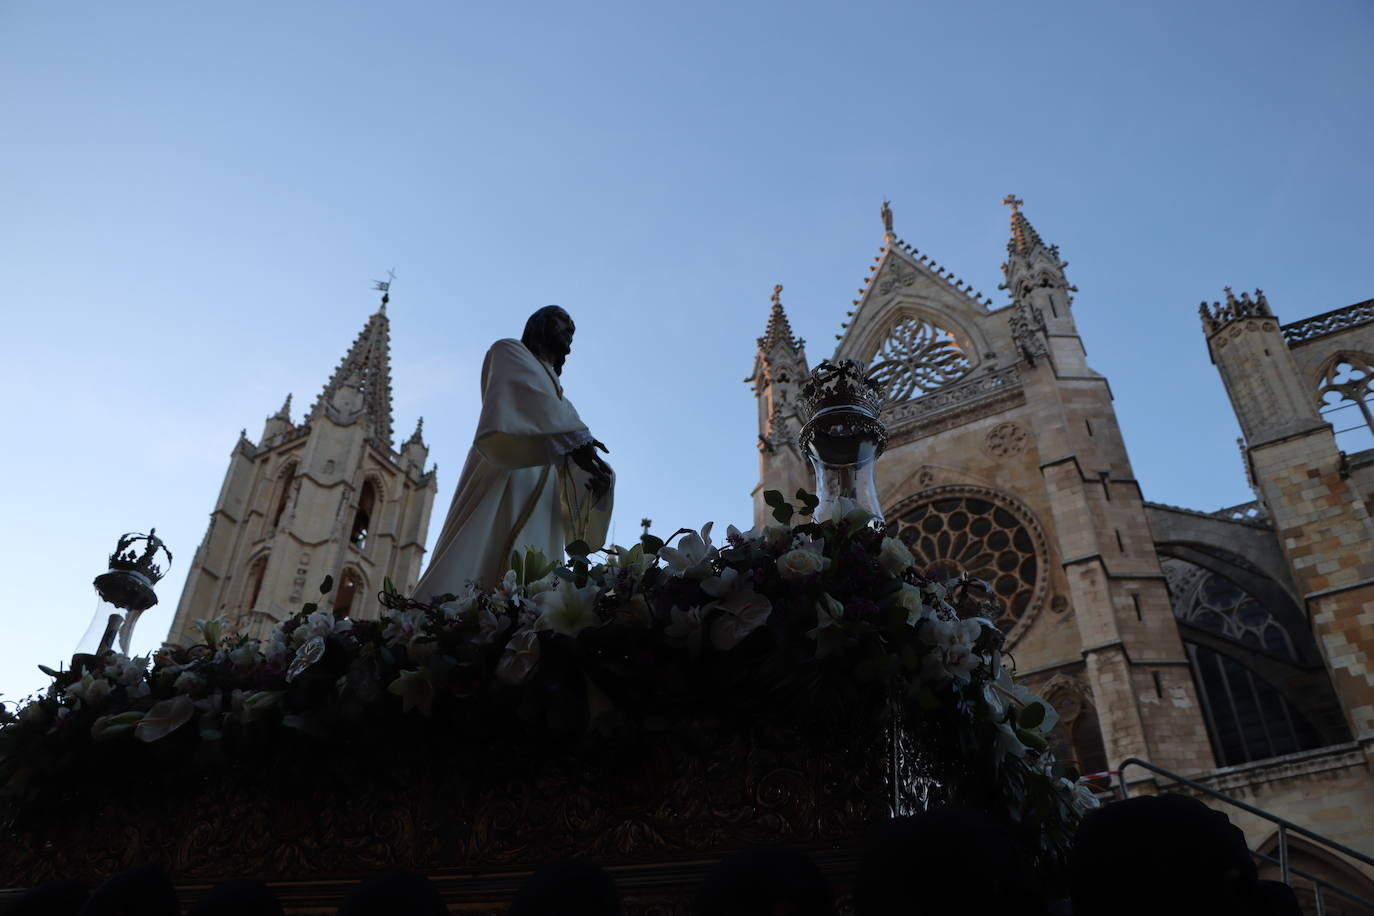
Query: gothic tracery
(917, 356)
(1346, 392)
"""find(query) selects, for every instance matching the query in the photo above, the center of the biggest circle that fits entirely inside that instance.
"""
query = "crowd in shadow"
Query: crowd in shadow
(1156, 855)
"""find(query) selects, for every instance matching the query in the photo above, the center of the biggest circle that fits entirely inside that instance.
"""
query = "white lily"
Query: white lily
(689, 557)
(567, 609)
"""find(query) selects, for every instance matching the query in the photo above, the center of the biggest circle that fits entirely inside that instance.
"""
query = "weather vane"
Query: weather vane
(384, 286)
(777, 294)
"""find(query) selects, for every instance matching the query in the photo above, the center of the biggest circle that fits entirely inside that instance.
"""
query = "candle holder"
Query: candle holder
(124, 592)
(843, 438)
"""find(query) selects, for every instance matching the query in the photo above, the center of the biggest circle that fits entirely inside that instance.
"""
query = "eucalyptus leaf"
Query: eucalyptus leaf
(326, 585)
(774, 498)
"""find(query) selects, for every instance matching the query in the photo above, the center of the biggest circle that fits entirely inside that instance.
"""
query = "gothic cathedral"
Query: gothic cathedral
(1230, 646)
(328, 497)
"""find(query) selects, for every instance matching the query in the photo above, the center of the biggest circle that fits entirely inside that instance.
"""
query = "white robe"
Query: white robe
(515, 490)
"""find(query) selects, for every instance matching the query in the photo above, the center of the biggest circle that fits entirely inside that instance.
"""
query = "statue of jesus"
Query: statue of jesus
(533, 477)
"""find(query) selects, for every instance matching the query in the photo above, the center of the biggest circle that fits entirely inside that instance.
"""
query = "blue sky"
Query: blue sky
(198, 196)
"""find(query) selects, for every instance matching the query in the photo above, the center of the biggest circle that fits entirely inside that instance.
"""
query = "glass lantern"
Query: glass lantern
(123, 593)
(844, 437)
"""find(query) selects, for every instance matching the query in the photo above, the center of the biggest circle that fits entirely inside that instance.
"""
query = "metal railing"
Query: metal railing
(1285, 827)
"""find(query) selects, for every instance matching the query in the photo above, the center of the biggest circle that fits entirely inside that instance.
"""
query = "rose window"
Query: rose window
(982, 534)
(916, 357)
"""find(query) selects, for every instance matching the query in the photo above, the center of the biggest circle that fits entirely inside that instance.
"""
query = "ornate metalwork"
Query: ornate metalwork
(843, 384)
(986, 534)
(917, 356)
(699, 790)
(1329, 322)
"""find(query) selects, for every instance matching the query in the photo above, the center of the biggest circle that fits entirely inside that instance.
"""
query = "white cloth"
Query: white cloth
(518, 487)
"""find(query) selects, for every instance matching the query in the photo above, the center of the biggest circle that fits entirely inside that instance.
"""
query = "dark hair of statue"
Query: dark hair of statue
(536, 336)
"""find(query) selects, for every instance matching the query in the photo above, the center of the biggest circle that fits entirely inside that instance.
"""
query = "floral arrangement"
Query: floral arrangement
(826, 619)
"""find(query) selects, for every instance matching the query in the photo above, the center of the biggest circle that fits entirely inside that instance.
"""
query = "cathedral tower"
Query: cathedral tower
(330, 496)
(1285, 383)
(779, 369)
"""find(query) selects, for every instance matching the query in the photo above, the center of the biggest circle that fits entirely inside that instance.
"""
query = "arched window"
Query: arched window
(1259, 697)
(253, 589)
(1077, 737)
(1346, 392)
(284, 496)
(362, 519)
(348, 591)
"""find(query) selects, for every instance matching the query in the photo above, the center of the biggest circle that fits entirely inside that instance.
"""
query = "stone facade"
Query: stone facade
(1212, 644)
(330, 496)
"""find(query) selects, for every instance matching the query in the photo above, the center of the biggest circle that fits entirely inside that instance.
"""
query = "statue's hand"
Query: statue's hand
(600, 472)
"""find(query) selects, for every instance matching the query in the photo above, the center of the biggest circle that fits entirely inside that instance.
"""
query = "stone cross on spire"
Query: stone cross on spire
(1011, 200)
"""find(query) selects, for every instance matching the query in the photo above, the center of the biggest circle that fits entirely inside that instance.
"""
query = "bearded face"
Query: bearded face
(549, 335)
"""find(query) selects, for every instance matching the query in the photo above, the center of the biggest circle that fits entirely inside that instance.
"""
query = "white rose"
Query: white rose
(92, 690)
(895, 559)
(802, 564)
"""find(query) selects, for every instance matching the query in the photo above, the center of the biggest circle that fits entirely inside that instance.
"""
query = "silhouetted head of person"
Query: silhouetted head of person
(948, 860)
(1161, 854)
(567, 889)
(237, 898)
(56, 898)
(549, 335)
(397, 894)
(140, 891)
(765, 882)
(1276, 899)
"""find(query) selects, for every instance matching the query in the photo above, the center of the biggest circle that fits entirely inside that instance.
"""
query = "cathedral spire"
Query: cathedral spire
(1031, 264)
(361, 385)
(779, 329)
(1024, 239)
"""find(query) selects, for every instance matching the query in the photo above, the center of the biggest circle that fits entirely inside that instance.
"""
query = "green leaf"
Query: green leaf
(388, 586)
(578, 549)
(782, 513)
(809, 501)
(651, 544)
(1031, 716)
(309, 607)
(326, 585)
(164, 718)
(774, 498)
(518, 566)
